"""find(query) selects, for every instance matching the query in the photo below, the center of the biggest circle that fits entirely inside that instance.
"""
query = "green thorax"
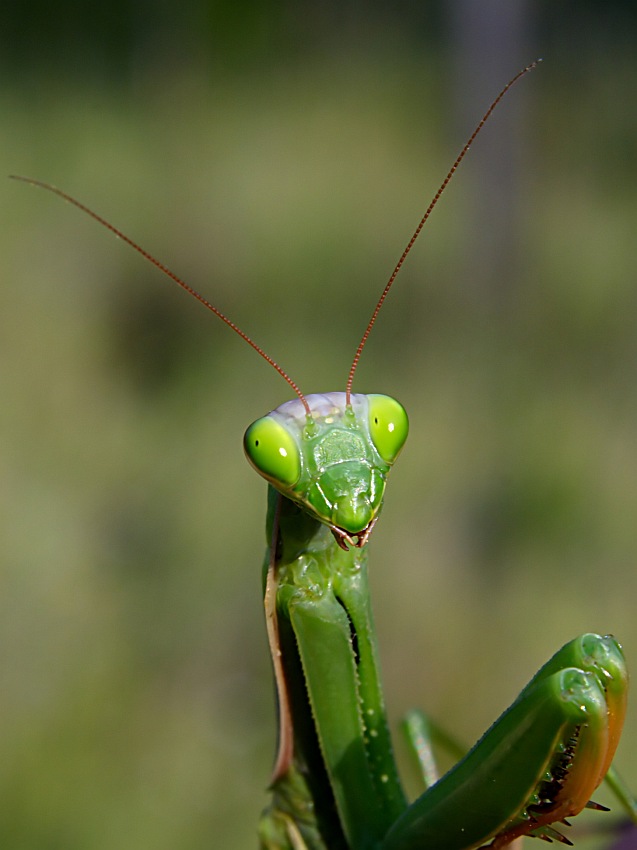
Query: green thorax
(330, 683)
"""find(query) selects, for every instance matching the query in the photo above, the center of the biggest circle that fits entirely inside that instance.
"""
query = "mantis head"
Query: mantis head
(334, 460)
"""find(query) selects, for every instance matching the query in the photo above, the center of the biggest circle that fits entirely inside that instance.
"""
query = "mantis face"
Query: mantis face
(334, 461)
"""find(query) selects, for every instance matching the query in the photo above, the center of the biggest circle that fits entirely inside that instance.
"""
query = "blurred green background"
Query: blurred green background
(278, 156)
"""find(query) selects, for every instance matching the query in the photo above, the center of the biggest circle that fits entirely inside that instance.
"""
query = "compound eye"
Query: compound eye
(388, 426)
(273, 451)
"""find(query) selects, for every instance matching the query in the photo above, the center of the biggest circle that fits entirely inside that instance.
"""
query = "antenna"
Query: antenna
(244, 336)
(434, 201)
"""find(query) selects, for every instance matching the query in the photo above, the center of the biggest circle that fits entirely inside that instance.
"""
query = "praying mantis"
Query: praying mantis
(335, 783)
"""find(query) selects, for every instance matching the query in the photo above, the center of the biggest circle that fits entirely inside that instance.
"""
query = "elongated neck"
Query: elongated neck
(332, 681)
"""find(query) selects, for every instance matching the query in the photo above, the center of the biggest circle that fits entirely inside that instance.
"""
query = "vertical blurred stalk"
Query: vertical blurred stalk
(491, 40)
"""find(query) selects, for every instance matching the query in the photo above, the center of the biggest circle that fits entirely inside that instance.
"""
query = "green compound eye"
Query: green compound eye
(273, 452)
(388, 426)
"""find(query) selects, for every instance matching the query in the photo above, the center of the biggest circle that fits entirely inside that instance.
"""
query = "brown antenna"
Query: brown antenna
(435, 199)
(172, 276)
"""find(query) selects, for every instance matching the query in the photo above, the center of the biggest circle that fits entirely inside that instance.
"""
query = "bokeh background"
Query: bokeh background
(278, 155)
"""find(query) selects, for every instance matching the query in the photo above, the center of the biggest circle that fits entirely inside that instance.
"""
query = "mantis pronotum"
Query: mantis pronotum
(335, 783)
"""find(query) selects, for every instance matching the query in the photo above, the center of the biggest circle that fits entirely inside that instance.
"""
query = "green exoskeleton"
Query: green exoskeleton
(335, 785)
(335, 782)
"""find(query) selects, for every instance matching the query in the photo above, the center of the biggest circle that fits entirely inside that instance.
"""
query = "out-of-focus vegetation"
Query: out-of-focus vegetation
(279, 161)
